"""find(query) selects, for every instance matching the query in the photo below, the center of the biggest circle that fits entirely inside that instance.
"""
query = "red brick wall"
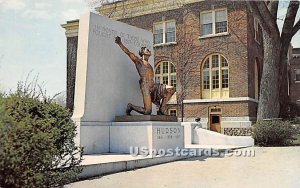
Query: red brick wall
(294, 87)
(239, 47)
(255, 52)
(229, 109)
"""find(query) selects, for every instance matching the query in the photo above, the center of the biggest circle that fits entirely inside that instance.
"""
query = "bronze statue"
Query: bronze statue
(152, 92)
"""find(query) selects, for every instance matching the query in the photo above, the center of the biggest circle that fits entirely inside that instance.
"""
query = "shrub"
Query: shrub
(273, 133)
(37, 147)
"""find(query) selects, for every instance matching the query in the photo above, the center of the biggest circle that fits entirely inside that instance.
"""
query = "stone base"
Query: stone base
(139, 118)
(93, 137)
(150, 135)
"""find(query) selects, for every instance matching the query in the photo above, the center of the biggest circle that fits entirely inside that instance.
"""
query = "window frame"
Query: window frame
(162, 74)
(220, 69)
(172, 109)
(164, 34)
(213, 12)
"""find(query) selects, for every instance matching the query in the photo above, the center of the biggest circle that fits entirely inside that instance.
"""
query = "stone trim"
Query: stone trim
(134, 8)
(237, 131)
(165, 44)
(214, 35)
(71, 28)
(237, 99)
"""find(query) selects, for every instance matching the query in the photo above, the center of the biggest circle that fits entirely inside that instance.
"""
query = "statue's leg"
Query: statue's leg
(169, 93)
(147, 109)
(147, 100)
(131, 107)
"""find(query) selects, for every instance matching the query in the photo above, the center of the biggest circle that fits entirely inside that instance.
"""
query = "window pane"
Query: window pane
(225, 79)
(158, 33)
(157, 79)
(173, 112)
(170, 37)
(206, 29)
(170, 26)
(224, 62)
(158, 38)
(215, 61)
(170, 34)
(206, 64)
(173, 70)
(206, 79)
(165, 67)
(157, 71)
(165, 80)
(221, 16)
(221, 21)
(206, 18)
(206, 23)
(215, 79)
(173, 81)
(297, 74)
(221, 27)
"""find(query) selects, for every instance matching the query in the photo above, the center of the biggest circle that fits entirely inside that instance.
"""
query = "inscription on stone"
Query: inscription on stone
(167, 133)
(105, 32)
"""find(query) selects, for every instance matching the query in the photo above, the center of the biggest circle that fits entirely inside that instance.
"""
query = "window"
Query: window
(165, 73)
(215, 77)
(164, 32)
(297, 73)
(258, 31)
(172, 112)
(213, 22)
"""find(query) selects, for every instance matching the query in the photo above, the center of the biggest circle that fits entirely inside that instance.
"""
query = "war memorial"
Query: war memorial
(114, 81)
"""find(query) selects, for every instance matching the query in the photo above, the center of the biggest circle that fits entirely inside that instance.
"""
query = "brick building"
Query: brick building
(294, 72)
(211, 51)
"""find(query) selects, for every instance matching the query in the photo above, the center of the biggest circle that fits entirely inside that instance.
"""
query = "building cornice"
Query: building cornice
(71, 28)
(133, 8)
(237, 99)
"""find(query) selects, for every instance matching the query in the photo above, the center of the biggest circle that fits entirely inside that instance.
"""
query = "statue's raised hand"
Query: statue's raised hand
(118, 40)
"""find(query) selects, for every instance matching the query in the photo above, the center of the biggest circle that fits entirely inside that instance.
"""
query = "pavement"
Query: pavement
(274, 167)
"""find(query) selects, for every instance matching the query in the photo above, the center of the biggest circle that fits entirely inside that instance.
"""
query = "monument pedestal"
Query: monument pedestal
(146, 136)
(139, 118)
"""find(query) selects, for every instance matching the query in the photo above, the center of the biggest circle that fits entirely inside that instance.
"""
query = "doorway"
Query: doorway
(215, 114)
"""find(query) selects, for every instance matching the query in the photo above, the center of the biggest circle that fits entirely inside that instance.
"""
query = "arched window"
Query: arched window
(165, 73)
(215, 77)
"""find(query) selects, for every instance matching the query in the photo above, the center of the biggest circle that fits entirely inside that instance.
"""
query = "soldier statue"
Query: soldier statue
(152, 92)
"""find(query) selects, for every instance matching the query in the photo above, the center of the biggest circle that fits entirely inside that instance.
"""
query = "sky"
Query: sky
(32, 40)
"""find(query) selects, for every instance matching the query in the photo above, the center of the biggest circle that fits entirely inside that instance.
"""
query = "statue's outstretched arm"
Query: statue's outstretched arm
(133, 57)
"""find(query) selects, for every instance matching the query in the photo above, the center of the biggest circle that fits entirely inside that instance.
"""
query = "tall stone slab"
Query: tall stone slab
(106, 79)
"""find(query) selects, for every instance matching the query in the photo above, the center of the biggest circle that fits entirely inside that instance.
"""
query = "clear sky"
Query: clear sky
(31, 39)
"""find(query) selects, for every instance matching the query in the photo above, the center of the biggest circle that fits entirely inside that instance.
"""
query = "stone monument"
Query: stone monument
(152, 92)
(105, 82)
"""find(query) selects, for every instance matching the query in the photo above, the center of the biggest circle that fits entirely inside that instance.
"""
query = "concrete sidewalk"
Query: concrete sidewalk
(277, 167)
(101, 164)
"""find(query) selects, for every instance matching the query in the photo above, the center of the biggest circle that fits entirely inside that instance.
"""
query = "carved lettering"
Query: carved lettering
(168, 133)
(105, 32)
